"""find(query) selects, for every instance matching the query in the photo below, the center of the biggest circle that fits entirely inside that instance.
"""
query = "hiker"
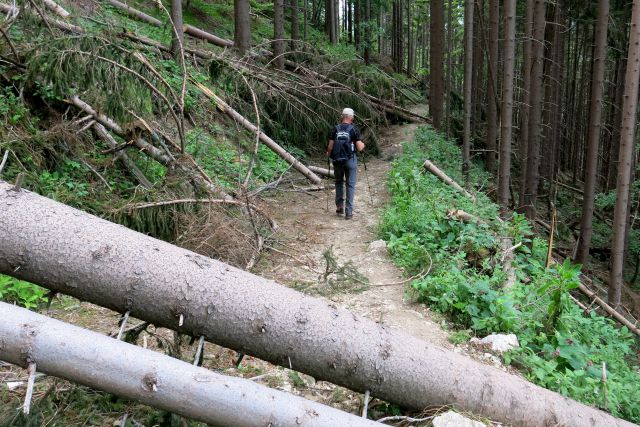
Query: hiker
(344, 140)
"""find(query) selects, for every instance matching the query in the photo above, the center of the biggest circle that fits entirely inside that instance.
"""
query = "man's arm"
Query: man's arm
(330, 147)
(359, 145)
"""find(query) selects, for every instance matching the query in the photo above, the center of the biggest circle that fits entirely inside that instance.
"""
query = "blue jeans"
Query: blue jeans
(346, 172)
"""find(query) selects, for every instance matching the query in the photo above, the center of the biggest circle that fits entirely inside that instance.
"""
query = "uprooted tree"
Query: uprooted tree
(75, 253)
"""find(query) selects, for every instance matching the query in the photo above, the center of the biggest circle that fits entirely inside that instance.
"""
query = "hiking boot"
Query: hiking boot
(339, 210)
(348, 216)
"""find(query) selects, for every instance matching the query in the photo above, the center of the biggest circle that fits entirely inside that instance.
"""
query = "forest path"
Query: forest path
(308, 229)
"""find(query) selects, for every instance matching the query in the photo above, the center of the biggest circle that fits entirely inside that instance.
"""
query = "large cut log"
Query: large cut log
(135, 13)
(65, 26)
(201, 34)
(110, 365)
(322, 171)
(75, 253)
(284, 154)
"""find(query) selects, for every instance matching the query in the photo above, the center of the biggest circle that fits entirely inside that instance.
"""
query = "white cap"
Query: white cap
(348, 112)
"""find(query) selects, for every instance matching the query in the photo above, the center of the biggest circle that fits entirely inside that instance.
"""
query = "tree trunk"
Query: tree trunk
(152, 378)
(242, 34)
(75, 253)
(367, 32)
(627, 133)
(506, 113)
(468, 76)
(177, 35)
(278, 34)
(295, 24)
(595, 124)
(436, 89)
(56, 8)
(492, 86)
(450, 53)
(535, 130)
(211, 38)
(135, 13)
(526, 99)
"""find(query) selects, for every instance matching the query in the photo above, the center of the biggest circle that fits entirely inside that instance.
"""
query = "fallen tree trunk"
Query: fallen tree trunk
(322, 171)
(610, 310)
(75, 253)
(152, 378)
(203, 35)
(446, 179)
(56, 8)
(284, 154)
(65, 26)
(122, 156)
(135, 13)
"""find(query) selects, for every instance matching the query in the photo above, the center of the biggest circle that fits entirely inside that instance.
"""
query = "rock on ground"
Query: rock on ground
(453, 419)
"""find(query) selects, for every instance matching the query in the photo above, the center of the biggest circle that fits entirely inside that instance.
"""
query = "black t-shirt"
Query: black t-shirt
(355, 133)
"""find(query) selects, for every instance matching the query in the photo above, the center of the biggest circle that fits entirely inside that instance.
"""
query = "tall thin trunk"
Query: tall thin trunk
(468, 75)
(627, 134)
(242, 33)
(535, 130)
(617, 123)
(477, 86)
(595, 124)
(526, 99)
(357, 24)
(177, 36)
(492, 108)
(278, 34)
(367, 32)
(295, 24)
(557, 82)
(506, 113)
(448, 88)
(306, 20)
(349, 4)
(436, 95)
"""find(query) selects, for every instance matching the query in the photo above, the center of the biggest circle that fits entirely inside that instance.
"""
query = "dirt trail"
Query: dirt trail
(308, 229)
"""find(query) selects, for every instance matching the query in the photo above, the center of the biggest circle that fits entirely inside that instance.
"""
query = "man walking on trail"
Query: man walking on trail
(344, 141)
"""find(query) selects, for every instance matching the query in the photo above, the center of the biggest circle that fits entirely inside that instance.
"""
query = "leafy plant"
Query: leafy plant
(20, 292)
(561, 349)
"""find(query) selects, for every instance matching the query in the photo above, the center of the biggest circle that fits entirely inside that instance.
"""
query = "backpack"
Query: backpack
(342, 145)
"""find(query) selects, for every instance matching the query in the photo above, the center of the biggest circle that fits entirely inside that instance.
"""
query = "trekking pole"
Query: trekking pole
(328, 187)
(366, 175)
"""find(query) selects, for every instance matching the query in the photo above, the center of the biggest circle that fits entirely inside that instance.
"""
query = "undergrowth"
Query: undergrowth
(561, 348)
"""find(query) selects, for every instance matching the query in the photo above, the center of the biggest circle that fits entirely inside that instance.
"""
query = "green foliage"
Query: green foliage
(20, 292)
(561, 348)
(12, 109)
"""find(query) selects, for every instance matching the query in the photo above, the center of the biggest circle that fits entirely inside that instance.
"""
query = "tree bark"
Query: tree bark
(278, 34)
(526, 99)
(367, 32)
(627, 133)
(295, 24)
(75, 253)
(492, 83)
(436, 90)
(211, 38)
(152, 378)
(135, 13)
(56, 8)
(242, 29)
(506, 113)
(177, 36)
(535, 129)
(595, 124)
(468, 76)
